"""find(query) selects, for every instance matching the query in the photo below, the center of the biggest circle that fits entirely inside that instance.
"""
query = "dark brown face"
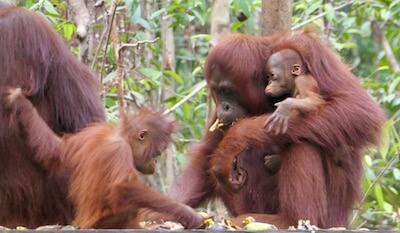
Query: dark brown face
(148, 166)
(280, 77)
(150, 136)
(151, 147)
(229, 107)
(238, 176)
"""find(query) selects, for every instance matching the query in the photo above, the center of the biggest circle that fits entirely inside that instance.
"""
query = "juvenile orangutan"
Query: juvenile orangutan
(289, 76)
(103, 163)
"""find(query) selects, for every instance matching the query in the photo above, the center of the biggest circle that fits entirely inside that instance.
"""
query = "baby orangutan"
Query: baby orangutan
(289, 76)
(103, 163)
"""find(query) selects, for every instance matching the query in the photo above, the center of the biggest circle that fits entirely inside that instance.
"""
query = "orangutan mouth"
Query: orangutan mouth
(219, 124)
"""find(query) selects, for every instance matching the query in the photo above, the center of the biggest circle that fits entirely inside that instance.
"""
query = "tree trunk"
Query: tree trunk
(167, 35)
(147, 7)
(168, 63)
(385, 45)
(219, 18)
(220, 22)
(276, 16)
(83, 16)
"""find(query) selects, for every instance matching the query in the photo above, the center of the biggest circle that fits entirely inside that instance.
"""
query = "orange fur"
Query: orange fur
(65, 93)
(103, 163)
(321, 169)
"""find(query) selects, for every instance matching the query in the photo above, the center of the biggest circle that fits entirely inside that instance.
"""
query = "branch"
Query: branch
(381, 173)
(322, 15)
(120, 68)
(136, 44)
(198, 87)
(113, 10)
(103, 36)
(385, 45)
(119, 76)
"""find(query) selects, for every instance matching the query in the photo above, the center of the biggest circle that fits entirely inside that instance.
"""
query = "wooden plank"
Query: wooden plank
(188, 231)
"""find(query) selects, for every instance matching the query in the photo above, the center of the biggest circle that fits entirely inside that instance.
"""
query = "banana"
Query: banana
(217, 124)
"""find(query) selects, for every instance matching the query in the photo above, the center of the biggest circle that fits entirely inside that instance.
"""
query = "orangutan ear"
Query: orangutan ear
(142, 134)
(296, 69)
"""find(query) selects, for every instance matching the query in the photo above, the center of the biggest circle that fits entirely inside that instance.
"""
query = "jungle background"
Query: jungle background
(159, 47)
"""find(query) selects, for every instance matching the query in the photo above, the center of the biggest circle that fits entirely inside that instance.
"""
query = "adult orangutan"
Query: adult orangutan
(319, 177)
(64, 91)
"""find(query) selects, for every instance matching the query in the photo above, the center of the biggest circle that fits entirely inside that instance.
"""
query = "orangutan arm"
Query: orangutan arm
(41, 139)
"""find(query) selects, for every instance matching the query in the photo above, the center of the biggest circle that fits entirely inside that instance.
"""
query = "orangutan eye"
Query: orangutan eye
(225, 91)
(272, 77)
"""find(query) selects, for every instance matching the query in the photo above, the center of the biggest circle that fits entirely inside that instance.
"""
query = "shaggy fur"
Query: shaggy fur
(321, 169)
(64, 91)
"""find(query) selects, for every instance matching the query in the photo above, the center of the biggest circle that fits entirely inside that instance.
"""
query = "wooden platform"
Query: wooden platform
(188, 231)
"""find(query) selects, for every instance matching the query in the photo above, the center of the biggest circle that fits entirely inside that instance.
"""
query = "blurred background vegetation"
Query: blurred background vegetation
(161, 73)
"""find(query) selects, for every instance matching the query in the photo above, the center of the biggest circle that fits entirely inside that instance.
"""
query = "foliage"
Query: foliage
(348, 29)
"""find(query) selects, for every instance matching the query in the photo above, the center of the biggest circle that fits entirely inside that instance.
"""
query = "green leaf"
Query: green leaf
(151, 73)
(143, 23)
(69, 30)
(388, 207)
(27, 3)
(48, 6)
(199, 17)
(379, 196)
(175, 76)
(368, 160)
(157, 13)
(393, 85)
(138, 97)
(394, 3)
(385, 141)
(235, 26)
(59, 5)
(366, 28)
(148, 84)
(110, 77)
(37, 5)
(197, 70)
(394, 190)
(330, 12)
(206, 37)
(133, 9)
(187, 110)
(396, 173)
(241, 6)
(313, 7)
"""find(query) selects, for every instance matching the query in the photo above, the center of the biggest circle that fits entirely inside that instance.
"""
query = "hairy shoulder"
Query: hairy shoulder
(98, 143)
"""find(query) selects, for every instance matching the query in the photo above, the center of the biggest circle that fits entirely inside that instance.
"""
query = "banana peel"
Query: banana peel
(216, 125)
(167, 225)
(49, 227)
(250, 224)
(211, 223)
(204, 215)
(259, 226)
